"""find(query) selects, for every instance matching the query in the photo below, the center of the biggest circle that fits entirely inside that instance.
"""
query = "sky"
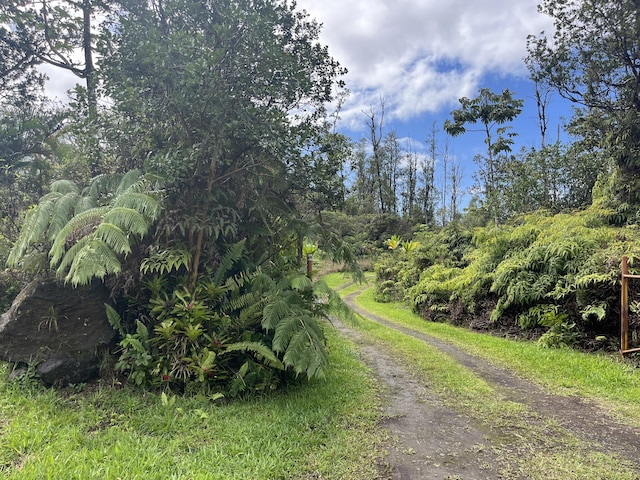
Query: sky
(421, 56)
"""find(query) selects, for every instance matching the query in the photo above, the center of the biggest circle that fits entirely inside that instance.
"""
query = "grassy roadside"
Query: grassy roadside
(324, 430)
(527, 447)
(606, 379)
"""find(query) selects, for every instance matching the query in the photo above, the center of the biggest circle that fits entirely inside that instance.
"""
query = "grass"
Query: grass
(526, 446)
(326, 429)
(606, 379)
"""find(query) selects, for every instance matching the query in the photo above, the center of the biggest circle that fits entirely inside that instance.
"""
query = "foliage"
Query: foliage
(592, 59)
(54, 33)
(232, 334)
(394, 242)
(329, 429)
(226, 101)
(555, 274)
(86, 231)
(492, 111)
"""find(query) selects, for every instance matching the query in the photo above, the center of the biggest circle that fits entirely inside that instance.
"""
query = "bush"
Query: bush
(229, 335)
(558, 275)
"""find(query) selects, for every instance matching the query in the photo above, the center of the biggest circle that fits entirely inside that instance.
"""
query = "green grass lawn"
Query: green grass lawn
(327, 429)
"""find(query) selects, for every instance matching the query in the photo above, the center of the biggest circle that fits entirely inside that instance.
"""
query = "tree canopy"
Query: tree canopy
(593, 59)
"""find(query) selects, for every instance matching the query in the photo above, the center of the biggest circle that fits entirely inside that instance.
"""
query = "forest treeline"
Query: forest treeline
(199, 160)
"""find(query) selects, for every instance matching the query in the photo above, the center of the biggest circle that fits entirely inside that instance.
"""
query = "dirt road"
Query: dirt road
(434, 441)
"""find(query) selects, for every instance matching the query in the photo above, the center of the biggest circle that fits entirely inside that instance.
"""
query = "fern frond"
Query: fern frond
(301, 282)
(114, 237)
(285, 330)
(128, 179)
(263, 353)
(100, 186)
(114, 319)
(306, 352)
(274, 312)
(69, 255)
(61, 212)
(228, 259)
(77, 227)
(95, 260)
(141, 202)
(64, 187)
(128, 219)
(84, 203)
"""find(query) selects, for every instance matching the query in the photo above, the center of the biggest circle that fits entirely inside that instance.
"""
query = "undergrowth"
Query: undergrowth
(552, 278)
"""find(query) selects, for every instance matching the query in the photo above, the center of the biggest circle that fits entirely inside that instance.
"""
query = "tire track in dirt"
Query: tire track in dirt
(434, 441)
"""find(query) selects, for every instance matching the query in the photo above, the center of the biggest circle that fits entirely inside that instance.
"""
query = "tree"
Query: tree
(593, 59)
(490, 110)
(225, 101)
(30, 149)
(53, 32)
(410, 174)
(221, 99)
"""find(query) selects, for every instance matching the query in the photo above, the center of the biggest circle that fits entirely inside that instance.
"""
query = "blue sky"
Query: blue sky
(421, 56)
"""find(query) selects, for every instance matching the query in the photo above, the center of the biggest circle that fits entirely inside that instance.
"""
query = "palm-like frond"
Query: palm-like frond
(62, 211)
(64, 187)
(77, 227)
(113, 236)
(141, 202)
(129, 179)
(261, 351)
(306, 352)
(128, 219)
(87, 232)
(95, 260)
(226, 262)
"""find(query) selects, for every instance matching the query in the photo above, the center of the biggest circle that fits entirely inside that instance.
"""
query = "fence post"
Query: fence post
(624, 310)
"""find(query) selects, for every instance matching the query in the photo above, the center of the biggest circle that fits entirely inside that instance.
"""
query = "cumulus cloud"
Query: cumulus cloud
(423, 55)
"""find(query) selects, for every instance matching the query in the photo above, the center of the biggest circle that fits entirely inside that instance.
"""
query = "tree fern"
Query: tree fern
(87, 233)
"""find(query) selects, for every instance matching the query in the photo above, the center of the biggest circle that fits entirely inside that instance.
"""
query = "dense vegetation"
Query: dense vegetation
(198, 163)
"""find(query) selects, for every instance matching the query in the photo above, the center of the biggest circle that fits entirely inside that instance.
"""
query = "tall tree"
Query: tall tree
(492, 111)
(593, 59)
(376, 138)
(409, 193)
(222, 99)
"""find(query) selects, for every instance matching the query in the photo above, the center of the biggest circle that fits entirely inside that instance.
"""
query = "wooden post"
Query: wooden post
(624, 310)
(309, 264)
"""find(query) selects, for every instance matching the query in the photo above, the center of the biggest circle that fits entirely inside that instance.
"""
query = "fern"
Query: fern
(306, 352)
(166, 261)
(262, 352)
(233, 254)
(87, 233)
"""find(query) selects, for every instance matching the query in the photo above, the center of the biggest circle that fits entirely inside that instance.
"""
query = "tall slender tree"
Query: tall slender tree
(492, 111)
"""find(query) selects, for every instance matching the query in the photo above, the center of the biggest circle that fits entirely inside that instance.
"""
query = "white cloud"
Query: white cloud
(422, 55)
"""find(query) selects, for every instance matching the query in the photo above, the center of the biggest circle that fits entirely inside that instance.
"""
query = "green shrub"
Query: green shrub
(525, 274)
(229, 335)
